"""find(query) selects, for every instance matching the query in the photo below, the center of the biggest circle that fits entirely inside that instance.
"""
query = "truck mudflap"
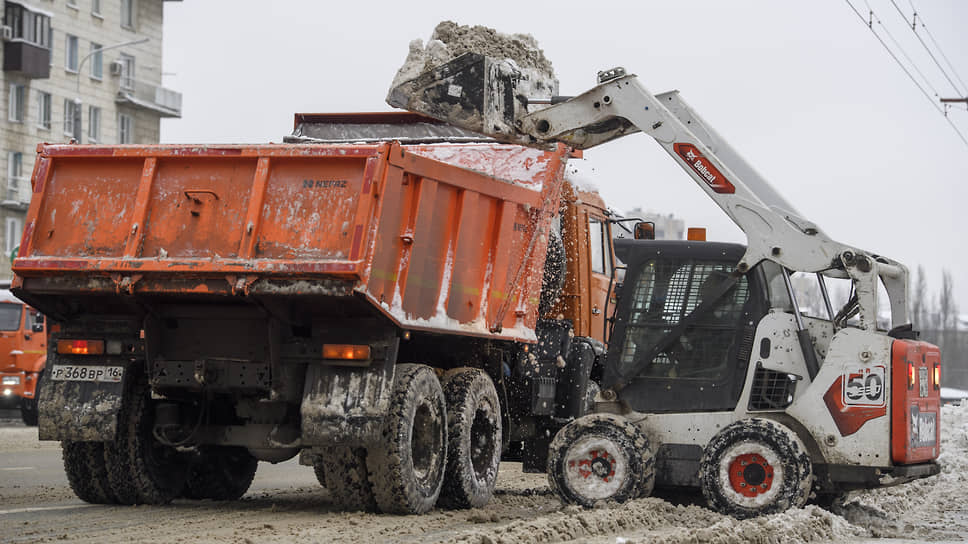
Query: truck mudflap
(79, 410)
(345, 405)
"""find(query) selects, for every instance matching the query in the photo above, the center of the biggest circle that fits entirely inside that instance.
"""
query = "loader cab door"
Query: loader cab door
(703, 367)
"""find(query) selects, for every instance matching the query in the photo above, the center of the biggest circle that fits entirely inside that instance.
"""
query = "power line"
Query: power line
(938, 47)
(903, 52)
(926, 48)
(870, 26)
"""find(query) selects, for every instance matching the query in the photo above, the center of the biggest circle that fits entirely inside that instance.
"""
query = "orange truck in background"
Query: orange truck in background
(397, 301)
(23, 353)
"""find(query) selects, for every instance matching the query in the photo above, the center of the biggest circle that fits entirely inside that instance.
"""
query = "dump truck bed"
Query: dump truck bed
(441, 237)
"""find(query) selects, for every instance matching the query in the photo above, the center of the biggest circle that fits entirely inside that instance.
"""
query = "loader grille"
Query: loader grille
(771, 390)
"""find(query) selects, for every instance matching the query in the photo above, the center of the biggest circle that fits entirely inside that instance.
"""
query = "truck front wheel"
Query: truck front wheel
(755, 467)
(600, 457)
(221, 473)
(473, 438)
(408, 466)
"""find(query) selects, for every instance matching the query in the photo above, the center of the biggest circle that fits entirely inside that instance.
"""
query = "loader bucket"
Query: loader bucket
(472, 91)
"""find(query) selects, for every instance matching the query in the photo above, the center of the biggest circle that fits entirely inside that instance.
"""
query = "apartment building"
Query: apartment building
(82, 70)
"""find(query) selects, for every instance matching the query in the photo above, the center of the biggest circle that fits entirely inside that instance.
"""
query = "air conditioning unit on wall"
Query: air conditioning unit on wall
(117, 67)
(7, 33)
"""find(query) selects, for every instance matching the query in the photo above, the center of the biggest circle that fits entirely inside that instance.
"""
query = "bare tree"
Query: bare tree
(947, 308)
(919, 307)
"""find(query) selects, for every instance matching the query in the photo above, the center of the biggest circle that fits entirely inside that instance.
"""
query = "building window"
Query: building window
(43, 110)
(96, 7)
(128, 8)
(71, 113)
(97, 61)
(93, 124)
(127, 71)
(70, 55)
(14, 226)
(27, 25)
(125, 129)
(15, 103)
(15, 173)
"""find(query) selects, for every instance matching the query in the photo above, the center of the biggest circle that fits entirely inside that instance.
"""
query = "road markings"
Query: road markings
(17, 468)
(43, 509)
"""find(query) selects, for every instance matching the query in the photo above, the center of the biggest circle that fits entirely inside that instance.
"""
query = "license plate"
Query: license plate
(87, 373)
(11, 380)
(927, 429)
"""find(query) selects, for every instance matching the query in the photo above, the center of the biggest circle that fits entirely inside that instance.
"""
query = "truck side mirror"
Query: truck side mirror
(645, 230)
(38, 325)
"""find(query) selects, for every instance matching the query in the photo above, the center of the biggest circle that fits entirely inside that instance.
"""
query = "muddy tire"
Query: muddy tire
(600, 457)
(221, 474)
(407, 468)
(591, 391)
(473, 438)
(141, 469)
(343, 471)
(755, 467)
(86, 471)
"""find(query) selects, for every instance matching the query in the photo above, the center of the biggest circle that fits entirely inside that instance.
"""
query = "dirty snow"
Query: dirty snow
(523, 166)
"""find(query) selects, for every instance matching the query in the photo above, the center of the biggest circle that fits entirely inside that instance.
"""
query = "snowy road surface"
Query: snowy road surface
(286, 505)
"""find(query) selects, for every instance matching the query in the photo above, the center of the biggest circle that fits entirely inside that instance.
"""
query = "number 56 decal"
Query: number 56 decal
(865, 386)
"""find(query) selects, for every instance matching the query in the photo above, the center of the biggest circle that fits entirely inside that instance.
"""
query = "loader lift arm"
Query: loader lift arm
(620, 105)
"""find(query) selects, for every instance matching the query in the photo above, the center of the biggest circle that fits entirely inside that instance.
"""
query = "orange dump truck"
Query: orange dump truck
(378, 300)
(23, 352)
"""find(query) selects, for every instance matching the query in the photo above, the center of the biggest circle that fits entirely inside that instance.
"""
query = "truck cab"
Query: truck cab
(23, 353)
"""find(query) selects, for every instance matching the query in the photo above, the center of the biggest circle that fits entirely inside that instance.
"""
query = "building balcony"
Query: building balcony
(17, 194)
(27, 59)
(148, 96)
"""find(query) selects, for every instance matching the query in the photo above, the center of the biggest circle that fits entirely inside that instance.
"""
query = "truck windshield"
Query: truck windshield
(10, 316)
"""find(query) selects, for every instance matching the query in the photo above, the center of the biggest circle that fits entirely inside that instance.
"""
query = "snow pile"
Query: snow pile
(582, 175)
(450, 40)
(523, 166)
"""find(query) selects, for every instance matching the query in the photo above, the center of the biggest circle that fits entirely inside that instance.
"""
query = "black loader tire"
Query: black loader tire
(86, 471)
(755, 467)
(221, 473)
(473, 438)
(155, 473)
(553, 279)
(600, 457)
(407, 468)
(343, 472)
(28, 407)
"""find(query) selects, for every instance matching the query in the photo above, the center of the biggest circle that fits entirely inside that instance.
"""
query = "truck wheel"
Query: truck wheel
(600, 457)
(342, 470)
(408, 466)
(223, 473)
(473, 438)
(28, 407)
(143, 470)
(754, 467)
(86, 471)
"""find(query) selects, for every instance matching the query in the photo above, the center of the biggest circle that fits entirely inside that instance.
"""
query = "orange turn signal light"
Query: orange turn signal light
(346, 352)
(696, 234)
(937, 375)
(912, 376)
(80, 347)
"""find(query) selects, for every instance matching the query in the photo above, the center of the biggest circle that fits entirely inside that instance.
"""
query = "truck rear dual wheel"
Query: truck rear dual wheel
(600, 457)
(407, 468)
(473, 438)
(221, 473)
(755, 467)
(84, 463)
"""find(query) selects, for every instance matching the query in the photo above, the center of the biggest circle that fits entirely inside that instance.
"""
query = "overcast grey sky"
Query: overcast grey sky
(802, 89)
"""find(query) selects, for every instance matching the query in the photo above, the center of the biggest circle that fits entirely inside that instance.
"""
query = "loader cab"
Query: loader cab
(657, 364)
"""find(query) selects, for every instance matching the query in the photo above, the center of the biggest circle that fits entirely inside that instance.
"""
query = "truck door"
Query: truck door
(599, 246)
(704, 366)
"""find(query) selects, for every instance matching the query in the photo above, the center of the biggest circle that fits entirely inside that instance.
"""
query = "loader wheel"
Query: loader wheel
(223, 473)
(408, 466)
(86, 471)
(473, 438)
(143, 470)
(600, 457)
(343, 471)
(755, 467)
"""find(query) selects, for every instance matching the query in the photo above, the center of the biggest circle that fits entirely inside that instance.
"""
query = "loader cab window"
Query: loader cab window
(599, 246)
(10, 316)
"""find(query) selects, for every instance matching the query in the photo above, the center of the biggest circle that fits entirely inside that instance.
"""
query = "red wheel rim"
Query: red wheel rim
(750, 475)
(597, 464)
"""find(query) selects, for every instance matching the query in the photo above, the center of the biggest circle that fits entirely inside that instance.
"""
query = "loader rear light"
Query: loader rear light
(346, 352)
(696, 234)
(80, 347)
(912, 376)
(937, 375)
